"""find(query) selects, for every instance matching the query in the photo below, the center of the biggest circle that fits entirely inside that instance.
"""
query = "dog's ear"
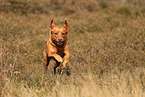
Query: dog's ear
(51, 23)
(65, 24)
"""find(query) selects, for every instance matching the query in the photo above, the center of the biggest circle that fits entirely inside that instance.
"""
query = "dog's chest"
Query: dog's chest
(60, 51)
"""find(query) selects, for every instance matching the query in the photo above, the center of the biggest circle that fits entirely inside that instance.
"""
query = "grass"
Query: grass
(123, 84)
(106, 43)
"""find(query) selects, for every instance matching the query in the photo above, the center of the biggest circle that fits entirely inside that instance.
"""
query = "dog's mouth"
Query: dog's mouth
(59, 43)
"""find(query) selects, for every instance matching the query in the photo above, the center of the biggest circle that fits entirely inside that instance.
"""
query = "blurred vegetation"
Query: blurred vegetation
(67, 7)
(106, 43)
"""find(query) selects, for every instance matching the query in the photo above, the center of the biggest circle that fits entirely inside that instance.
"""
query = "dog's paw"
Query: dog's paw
(60, 59)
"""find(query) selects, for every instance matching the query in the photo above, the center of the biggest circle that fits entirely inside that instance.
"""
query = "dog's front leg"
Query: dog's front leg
(66, 59)
(56, 56)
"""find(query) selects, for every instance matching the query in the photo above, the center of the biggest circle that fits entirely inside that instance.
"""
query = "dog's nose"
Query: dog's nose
(59, 39)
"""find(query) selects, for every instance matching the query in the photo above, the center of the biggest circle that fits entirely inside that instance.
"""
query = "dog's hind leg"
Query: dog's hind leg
(46, 60)
(46, 63)
(55, 66)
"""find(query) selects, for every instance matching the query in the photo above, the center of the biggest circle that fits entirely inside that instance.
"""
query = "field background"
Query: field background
(106, 43)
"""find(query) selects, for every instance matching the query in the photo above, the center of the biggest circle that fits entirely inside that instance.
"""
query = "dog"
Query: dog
(57, 46)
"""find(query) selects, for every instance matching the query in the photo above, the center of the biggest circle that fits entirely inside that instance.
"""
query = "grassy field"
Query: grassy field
(106, 43)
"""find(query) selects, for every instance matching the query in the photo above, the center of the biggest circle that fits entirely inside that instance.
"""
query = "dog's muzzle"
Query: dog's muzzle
(59, 42)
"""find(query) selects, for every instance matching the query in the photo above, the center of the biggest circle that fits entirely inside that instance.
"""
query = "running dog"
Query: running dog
(57, 46)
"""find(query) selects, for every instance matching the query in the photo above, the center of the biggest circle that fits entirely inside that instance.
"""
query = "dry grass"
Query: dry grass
(123, 84)
(106, 42)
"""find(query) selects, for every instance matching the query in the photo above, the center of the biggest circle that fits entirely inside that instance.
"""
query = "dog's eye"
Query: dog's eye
(63, 33)
(55, 33)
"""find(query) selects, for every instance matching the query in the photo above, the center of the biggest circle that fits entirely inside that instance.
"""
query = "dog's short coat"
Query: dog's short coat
(57, 46)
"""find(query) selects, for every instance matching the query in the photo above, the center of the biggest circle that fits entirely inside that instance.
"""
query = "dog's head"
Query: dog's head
(58, 33)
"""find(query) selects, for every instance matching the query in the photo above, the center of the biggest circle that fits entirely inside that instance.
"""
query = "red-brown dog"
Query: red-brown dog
(57, 46)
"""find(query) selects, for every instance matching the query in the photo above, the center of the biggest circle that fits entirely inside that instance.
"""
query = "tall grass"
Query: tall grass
(115, 84)
(106, 43)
